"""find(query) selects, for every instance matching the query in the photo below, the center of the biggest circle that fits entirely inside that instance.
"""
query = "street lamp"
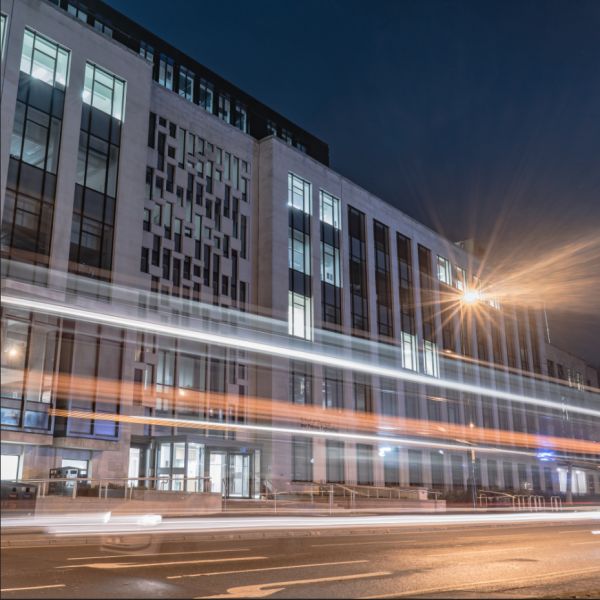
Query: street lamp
(471, 296)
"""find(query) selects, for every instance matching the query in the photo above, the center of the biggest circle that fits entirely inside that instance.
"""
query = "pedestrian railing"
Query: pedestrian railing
(555, 503)
(120, 487)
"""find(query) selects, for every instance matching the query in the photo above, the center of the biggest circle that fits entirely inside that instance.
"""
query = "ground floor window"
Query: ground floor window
(9, 467)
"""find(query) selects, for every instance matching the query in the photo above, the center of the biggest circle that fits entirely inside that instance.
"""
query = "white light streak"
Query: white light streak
(93, 316)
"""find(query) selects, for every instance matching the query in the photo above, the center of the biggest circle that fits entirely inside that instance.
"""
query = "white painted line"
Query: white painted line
(159, 564)
(134, 555)
(573, 531)
(487, 551)
(35, 587)
(345, 562)
(257, 591)
(361, 543)
(458, 587)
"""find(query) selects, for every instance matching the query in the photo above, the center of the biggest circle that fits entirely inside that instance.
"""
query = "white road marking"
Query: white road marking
(257, 591)
(460, 586)
(572, 531)
(134, 555)
(580, 543)
(345, 562)
(486, 550)
(35, 587)
(159, 564)
(361, 543)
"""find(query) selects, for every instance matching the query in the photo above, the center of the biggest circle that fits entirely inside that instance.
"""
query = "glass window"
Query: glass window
(9, 467)
(104, 91)
(299, 251)
(330, 265)
(460, 278)
(409, 351)
(430, 359)
(332, 388)
(2, 31)
(330, 209)
(299, 316)
(186, 84)
(225, 108)
(299, 193)
(206, 96)
(147, 51)
(165, 72)
(443, 270)
(44, 60)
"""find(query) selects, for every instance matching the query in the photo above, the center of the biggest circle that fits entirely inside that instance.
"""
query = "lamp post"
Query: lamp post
(470, 297)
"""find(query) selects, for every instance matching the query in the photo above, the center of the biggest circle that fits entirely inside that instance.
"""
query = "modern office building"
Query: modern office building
(126, 162)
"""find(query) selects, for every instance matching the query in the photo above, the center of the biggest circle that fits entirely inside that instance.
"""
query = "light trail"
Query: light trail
(72, 312)
(256, 408)
(82, 527)
(207, 424)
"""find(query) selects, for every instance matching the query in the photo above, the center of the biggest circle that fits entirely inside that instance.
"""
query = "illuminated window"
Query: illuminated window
(460, 278)
(2, 30)
(409, 351)
(104, 91)
(330, 210)
(443, 270)
(299, 316)
(45, 60)
(430, 359)
(299, 195)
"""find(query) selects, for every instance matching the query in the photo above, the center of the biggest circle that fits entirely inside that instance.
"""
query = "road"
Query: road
(503, 561)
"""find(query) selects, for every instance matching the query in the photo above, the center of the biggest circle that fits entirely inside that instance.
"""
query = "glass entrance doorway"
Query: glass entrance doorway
(239, 475)
(189, 464)
(217, 471)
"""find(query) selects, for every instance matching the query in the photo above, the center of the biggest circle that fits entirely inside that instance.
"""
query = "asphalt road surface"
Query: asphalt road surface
(508, 561)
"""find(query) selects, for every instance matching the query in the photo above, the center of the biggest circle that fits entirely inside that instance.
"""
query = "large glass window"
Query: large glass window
(104, 91)
(34, 149)
(431, 359)
(206, 95)
(300, 383)
(2, 31)
(302, 459)
(225, 108)
(45, 60)
(358, 272)
(331, 279)
(444, 271)
(330, 265)
(333, 396)
(186, 84)
(383, 294)
(299, 316)
(97, 171)
(299, 251)
(299, 195)
(330, 210)
(165, 72)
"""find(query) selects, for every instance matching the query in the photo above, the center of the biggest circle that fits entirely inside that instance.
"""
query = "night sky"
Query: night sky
(469, 116)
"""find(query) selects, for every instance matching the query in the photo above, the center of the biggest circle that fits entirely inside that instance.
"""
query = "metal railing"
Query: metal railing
(102, 488)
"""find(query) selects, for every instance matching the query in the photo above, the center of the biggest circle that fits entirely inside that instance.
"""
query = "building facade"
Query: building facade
(127, 165)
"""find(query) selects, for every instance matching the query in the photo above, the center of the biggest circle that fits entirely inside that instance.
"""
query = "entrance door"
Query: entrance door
(239, 475)
(217, 471)
(134, 467)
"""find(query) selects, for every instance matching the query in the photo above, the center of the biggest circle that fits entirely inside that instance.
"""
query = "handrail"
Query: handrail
(104, 483)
